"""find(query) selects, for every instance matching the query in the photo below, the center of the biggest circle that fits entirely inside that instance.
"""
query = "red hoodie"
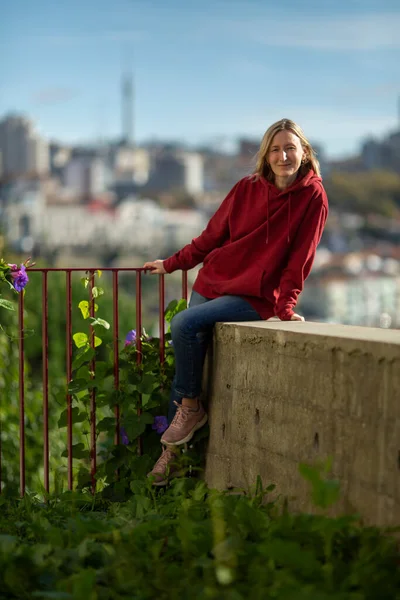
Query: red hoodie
(259, 245)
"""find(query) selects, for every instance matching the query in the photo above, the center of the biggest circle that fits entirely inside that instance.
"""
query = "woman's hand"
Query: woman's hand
(156, 267)
(297, 317)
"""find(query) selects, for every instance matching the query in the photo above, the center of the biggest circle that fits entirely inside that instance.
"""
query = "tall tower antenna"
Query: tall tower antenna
(127, 106)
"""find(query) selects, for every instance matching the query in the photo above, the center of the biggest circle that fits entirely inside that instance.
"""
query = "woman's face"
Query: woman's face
(285, 154)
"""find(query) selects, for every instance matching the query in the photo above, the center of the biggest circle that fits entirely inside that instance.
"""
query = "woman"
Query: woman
(256, 251)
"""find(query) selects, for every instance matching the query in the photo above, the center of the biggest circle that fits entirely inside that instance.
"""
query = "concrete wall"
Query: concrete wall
(284, 393)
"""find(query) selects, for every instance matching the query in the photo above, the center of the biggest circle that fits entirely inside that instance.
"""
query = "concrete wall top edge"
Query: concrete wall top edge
(351, 332)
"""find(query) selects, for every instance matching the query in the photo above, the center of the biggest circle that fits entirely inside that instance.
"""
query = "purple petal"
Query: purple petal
(20, 279)
(130, 337)
(160, 424)
(124, 436)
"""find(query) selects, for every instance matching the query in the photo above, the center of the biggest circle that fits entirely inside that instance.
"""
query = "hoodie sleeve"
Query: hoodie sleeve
(302, 256)
(213, 236)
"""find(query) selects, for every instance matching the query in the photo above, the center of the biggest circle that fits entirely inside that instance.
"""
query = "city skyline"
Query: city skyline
(203, 75)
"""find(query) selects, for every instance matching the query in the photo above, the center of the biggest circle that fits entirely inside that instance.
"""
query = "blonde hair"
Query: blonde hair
(309, 162)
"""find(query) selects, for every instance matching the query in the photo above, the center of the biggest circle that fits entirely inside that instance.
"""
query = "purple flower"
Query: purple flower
(170, 343)
(124, 436)
(20, 278)
(131, 338)
(160, 424)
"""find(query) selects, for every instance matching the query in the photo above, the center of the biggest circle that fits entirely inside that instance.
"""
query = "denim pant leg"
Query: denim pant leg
(189, 351)
(203, 338)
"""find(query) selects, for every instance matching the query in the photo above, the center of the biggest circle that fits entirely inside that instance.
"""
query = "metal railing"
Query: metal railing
(90, 274)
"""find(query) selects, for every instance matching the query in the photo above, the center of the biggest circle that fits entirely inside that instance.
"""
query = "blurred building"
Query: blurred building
(34, 218)
(59, 157)
(24, 152)
(383, 154)
(131, 164)
(179, 171)
(86, 175)
(358, 288)
(181, 226)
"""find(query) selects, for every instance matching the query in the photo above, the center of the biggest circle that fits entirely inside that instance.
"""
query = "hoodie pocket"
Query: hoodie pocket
(225, 276)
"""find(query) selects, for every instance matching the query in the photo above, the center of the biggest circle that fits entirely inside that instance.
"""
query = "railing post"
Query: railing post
(116, 354)
(69, 375)
(21, 395)
(92, 391)
(139, 342)
(184, 285)
(45, 367)
(161, 309)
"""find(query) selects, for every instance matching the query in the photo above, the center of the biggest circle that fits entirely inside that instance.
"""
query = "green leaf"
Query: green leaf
(135, 425)
(142, 506)
(84, 478)
(84, 355)
(80, 339)
(78, 451)
(101, 322)
(145, 399)
(182, 305)
(83, 373)
(170, 310)
(106, 424)
(7, 304)
(99, 273)
(85, 308)
(324, 492)
(97, 292)
(148, 384)
(77, 417)
(103, 369)
(97, 341)
(79, 385)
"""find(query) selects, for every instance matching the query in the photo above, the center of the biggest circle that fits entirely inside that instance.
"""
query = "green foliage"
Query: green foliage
(188, 541)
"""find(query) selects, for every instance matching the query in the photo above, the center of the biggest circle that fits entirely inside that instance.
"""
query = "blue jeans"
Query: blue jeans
(191, 332)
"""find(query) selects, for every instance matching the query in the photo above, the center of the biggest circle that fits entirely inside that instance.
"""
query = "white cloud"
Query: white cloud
(53, 95)
(100, 37)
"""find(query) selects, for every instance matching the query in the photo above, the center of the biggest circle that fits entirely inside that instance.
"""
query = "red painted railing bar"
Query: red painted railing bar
(21, 395)
(161, 308)
(184, 285)
(92, 391)
(68, 343)
(90, 269)
(45, 377)
(139, 340)
(116, 355)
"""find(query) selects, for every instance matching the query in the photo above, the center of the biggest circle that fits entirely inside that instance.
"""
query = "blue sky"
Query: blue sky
(204, 71)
